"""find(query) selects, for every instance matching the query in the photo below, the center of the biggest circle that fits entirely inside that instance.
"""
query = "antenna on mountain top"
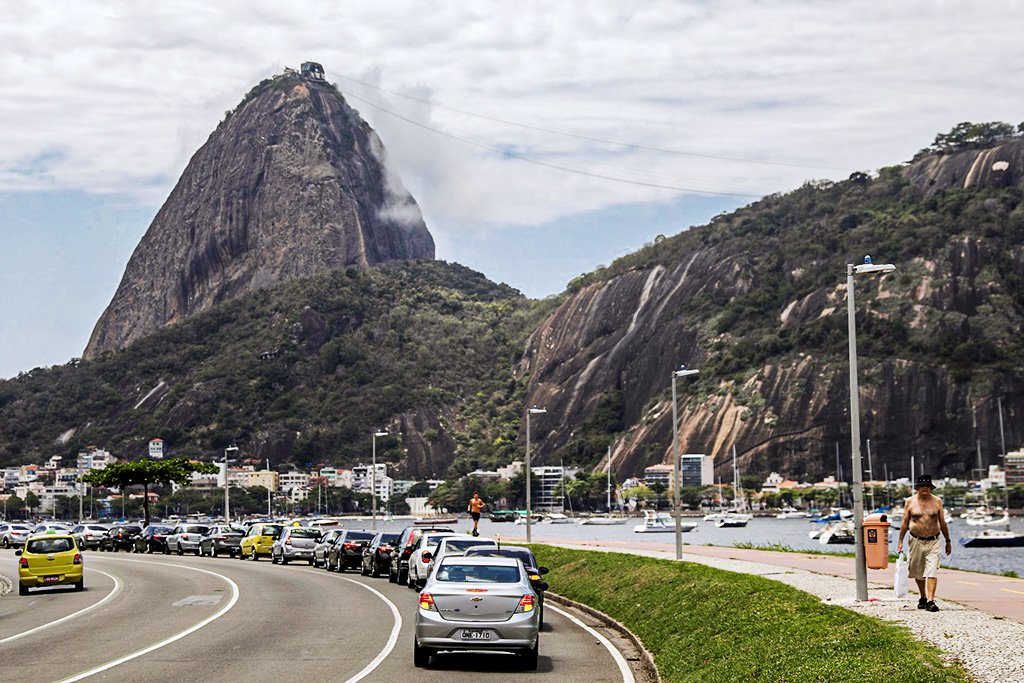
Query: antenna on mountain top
(313, 71)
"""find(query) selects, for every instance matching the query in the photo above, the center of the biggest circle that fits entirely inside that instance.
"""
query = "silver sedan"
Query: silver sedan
(478, 603)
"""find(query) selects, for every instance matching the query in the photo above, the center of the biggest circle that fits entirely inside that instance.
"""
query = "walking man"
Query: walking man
(476, 504)
(923, 517)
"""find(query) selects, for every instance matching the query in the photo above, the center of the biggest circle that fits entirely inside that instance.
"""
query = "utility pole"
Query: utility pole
(270, 485)
(1002, 436)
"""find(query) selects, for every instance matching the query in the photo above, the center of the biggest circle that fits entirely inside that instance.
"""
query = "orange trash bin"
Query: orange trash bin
(876, 541)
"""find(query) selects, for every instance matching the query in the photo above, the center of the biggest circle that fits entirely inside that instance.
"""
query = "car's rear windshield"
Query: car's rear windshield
(196, 529)
(460, 545)
(388, 539)
(492, 551)
(305, 533)
(161, 529)
(359, 536)
(232, 530)
(49, 545)
(273, 530)
(478, 573)
(19, 527)
(96, 527)
(128, 529)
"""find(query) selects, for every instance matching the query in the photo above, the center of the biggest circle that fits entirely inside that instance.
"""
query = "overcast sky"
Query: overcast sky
(541, 139)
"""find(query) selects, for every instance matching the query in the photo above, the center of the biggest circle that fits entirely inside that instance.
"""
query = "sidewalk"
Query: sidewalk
(981, 624)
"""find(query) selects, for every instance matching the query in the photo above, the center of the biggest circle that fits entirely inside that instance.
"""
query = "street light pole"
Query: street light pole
(529, 504)
(227, 487)
(858, 484)
(681, 372)
(270, 479)
(373, 479)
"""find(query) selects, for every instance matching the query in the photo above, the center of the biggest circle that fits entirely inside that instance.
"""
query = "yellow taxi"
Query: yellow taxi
(258, 540)
(50, 559)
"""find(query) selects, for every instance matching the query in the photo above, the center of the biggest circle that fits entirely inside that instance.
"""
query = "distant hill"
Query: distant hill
(302, 372)
(293, 182)
(756, 300)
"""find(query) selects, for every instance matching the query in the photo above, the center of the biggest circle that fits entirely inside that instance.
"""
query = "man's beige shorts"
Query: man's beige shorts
(924, 558)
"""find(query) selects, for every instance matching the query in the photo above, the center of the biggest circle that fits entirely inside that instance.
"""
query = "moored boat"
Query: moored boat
(601, 520)
(994, 538)
(733, 520)
(660, 523)
(840, 532)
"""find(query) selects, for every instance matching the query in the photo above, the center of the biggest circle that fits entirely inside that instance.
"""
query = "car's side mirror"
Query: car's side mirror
(542, 585)
(17, 553)
(542, 570)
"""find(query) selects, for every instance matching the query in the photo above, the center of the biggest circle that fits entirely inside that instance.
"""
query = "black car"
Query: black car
(399, 570)
(347, 550)
(120, 537)
(152, 539)
(377, 556)
(529, 561)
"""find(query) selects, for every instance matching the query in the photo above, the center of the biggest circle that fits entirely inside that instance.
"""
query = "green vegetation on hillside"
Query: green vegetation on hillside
(708, 625)
(311, 366)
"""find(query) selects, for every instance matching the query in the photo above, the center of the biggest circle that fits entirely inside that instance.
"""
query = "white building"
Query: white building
(511, 470)
(418, 505)
(336, 477)
(658, 474)
(362, 474)
(294, 480)
(95, 459)
(546, 489)
(771, 484)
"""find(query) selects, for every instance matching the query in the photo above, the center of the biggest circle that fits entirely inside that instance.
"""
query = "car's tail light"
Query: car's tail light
(525, 604)
(287, 541)
(88, 533)
(222, 538)
(427, 601)
(426, 559)
(23, 563)
(78, 559)
(351, 546)
(158, 535)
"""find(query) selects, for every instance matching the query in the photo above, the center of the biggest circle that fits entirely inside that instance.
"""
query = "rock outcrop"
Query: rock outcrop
(291, 183)
(757, 301)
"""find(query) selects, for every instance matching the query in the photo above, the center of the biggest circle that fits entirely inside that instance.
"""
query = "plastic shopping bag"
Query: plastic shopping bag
(901, 584)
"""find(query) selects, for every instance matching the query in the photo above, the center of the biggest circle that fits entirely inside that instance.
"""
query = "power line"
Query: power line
(606, 141)
(539, 162)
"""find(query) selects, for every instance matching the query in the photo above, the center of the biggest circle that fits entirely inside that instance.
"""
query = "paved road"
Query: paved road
(152, 618)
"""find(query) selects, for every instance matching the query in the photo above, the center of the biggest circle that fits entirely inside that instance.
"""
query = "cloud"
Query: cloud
(114, 97)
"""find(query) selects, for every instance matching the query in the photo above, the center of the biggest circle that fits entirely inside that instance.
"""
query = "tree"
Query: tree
(147, 473)
(14, 506)
(31, 502)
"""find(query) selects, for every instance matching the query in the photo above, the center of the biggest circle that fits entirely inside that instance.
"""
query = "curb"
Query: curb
(6, 585)
(646, 658)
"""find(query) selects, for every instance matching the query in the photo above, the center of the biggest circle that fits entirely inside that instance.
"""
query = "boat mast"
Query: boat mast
(1002, 436)
(608, 507)
(735, 481)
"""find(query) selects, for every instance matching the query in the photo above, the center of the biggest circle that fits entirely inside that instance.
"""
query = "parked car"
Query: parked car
(119, 537)
(417, 565)
(478, 603)
(399, 571)
(347, 550)
(47, 527)
(377, 556)
(185, 538)
(49, 560)
(294, 543)
(221, 538)
(259, 539)
(152, 539)
(87, 536)
(13, 535)
(323, 546)
(533, 570)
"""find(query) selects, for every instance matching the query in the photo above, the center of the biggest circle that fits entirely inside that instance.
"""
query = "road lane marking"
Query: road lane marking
(109, 596)
(1010, 590)
(627, 674)
(166, 641)
(392, 639)
(969, 583)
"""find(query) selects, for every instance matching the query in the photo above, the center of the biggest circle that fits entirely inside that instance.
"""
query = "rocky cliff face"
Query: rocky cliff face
(293, 182)
(757, 301)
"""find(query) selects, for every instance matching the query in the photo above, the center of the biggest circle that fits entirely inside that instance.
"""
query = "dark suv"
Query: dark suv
(377, 556)
(153, 539)
(347, 550)
(399, 571)
(120, 537)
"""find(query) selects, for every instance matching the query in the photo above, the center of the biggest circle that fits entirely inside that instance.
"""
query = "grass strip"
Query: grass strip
(705, 624)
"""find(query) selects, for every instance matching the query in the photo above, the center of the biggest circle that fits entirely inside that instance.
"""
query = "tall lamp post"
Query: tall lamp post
(373, 479)
(681, 372)
(868, 267)
(529, 501)
(227, 486)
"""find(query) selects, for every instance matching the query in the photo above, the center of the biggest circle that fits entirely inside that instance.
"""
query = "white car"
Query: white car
(185, 538)
(452, 546)
(417, 567)
(14, 535)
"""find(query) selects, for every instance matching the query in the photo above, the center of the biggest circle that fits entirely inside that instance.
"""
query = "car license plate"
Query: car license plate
(475, 634)
(51, 579)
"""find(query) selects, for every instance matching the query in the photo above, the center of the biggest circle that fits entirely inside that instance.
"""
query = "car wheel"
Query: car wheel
(530, 657)
(213, 551)
(80, 585)
(180, 550)
(420, 656)
(311, 562)
(402, 578)
(113, 548)
(363, 571)
(540, 619)
(7, 544)
(284, 559)
(167, 550)
(253, 555)
(392, 576)
(22, 589)
(149, 548)
(273, 557)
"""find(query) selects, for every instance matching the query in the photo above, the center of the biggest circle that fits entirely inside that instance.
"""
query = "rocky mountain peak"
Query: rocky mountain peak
(291, 183)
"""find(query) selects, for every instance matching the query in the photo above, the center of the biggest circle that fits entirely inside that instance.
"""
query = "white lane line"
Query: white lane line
(392, 639)
(109, 596)
(171, 639)
(627, 674)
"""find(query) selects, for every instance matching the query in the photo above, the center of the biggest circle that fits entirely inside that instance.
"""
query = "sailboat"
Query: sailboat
(606, 519)
(734, 518)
